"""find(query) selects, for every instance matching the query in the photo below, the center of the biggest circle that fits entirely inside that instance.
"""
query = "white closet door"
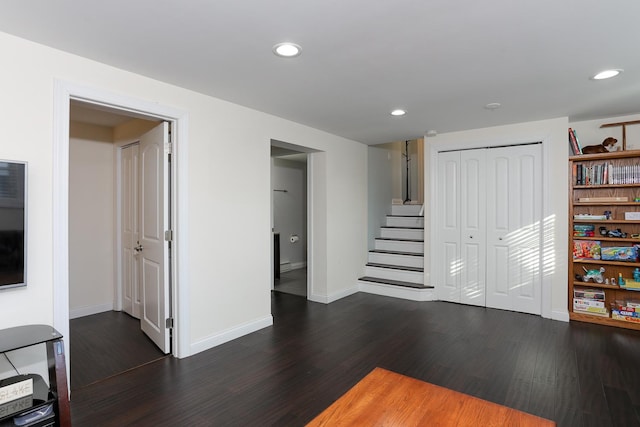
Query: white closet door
(513, 228)
(129, 213)
(448, 248)
(473, 227)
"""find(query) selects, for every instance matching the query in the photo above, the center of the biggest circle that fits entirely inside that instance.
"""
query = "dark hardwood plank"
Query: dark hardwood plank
(289, 373)
(107, 344)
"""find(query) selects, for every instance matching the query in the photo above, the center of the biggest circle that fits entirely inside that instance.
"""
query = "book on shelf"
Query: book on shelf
(588, 302)
(575, 137)
(616, 314)
(589, 309)
(591, 313)
(627, 308)
(594, 294)
(573, 143)
(603, 199)
(590, 217)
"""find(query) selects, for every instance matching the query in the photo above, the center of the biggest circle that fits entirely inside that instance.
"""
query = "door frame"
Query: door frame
(312, 170)
(64, 92)
(465, 143)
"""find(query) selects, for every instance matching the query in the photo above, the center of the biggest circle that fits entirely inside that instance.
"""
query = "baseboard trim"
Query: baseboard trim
(297, 265)
(88, 310)
(328, 299)
(231, 334)
(562, 316)
(411, 294)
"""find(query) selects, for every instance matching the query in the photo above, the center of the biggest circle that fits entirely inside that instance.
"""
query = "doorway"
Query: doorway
(97, 213)
(289, 218)
(64, 93)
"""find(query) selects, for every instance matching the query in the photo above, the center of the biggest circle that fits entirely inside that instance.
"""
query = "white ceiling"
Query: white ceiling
(441, 60)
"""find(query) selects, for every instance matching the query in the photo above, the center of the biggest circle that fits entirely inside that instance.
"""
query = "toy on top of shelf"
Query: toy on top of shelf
(606, 146)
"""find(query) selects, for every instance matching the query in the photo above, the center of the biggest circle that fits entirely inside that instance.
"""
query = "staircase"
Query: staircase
(396, 264)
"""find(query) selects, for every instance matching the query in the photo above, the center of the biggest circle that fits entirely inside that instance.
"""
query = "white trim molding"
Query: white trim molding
(231, 334)
(88, 310)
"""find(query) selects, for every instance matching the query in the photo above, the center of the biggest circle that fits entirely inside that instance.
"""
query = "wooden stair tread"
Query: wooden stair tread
(382, 251)
(396, 267)
(400, 227)
(394, 282)
(399, 240)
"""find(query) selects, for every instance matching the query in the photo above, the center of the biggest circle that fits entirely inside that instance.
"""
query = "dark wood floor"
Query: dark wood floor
(576, 374)
(107, 344)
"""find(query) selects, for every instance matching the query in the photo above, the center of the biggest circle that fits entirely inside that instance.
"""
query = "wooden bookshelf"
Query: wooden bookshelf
(630, 188)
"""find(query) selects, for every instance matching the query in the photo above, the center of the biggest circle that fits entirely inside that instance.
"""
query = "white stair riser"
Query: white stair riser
(397, 291)
(402, 233)
(394, 245)
(405, 221)
(393, 274)
(395, 259)
(405, 209)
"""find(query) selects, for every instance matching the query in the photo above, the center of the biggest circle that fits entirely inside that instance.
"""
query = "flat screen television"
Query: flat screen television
(13, 214)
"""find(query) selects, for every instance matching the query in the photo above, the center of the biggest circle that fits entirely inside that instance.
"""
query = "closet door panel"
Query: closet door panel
(513, 233)
(473, 227)
(448, 247)
(499, 256)
(527, 218)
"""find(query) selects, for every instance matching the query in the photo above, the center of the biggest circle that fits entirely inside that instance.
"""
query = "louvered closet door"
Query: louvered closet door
(472, 227)
(514, 216)
(448, 247)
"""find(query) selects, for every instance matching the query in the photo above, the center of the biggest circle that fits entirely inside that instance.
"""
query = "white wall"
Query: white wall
(228, 212)
(384, 185)
(91, 218)
(290, 209)
(553, 134)
(590, 133)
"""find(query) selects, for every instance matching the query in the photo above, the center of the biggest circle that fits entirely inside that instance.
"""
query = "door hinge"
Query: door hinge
(168, 236)
(169, 323)
(168, 147)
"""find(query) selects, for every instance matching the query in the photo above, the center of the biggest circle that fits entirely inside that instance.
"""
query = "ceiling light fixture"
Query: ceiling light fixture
(606, 74)
(398, 112)
(492, 106)
(287, 50)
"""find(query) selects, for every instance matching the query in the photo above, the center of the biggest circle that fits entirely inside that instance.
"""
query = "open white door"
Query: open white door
(152, 249)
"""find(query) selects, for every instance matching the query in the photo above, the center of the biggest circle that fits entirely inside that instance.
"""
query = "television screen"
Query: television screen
(13, 180)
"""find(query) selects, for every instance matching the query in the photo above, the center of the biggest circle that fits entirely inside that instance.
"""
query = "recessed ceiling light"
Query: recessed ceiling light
(287, 50)
(606, 74)
(493, 106)
(398, 112)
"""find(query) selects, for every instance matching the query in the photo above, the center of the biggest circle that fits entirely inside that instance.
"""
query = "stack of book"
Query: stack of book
(627, 311)
(590, 301)
(583, 230)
